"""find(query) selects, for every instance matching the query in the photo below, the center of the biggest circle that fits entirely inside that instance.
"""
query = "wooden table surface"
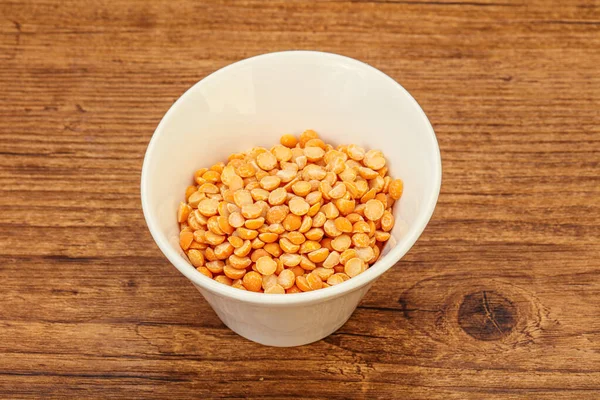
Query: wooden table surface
(499, 299)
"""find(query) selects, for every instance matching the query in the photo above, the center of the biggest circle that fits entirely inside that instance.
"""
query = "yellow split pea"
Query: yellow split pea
(300, 216)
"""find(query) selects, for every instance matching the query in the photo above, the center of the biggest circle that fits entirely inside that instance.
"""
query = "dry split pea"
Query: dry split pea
(301, 216)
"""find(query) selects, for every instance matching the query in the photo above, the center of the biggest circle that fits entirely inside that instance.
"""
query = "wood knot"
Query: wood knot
(482, 313)
(486, 315)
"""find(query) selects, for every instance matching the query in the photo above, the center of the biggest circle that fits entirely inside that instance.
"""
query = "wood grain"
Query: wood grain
(499, 299)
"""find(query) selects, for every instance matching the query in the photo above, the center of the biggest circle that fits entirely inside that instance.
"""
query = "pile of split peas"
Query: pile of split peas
(301, 216)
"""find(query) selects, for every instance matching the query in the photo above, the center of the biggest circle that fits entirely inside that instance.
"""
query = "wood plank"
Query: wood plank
(90, 308)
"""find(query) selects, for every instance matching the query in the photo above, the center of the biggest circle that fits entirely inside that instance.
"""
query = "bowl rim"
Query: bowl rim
(367, 277)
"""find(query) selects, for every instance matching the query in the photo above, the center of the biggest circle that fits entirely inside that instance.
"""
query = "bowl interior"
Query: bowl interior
(255, 101)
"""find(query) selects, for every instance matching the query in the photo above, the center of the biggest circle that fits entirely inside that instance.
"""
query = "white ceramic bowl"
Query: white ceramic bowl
(252, 103)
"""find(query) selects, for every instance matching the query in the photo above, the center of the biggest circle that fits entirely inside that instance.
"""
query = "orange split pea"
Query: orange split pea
(300, 216)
